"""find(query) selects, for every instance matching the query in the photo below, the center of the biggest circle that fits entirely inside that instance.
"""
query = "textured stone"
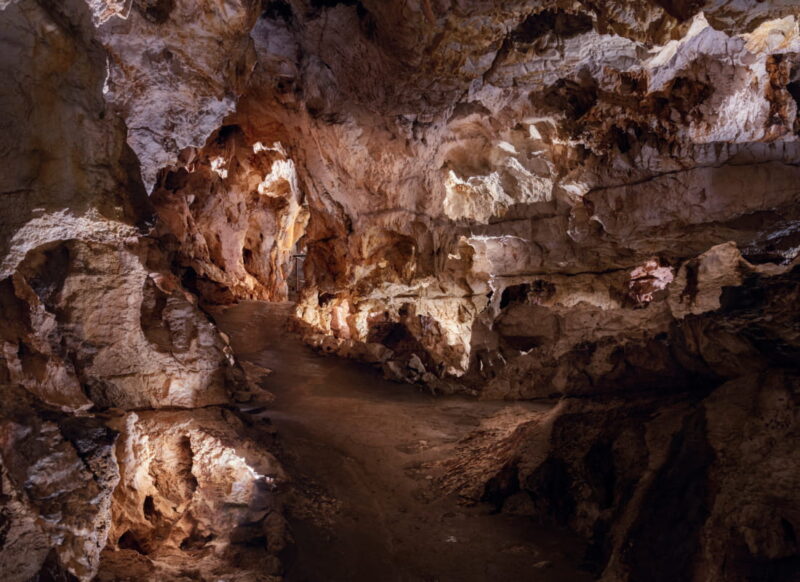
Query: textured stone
(234, 214)
(174, 70)
(58, 474)
(583, 200)
(93, 319)
(195, 497)
(587, 143)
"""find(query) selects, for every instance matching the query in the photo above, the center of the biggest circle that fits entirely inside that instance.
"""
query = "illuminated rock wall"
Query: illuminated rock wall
(589, 201)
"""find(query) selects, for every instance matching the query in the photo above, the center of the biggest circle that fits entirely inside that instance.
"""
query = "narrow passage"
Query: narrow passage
(362, 506)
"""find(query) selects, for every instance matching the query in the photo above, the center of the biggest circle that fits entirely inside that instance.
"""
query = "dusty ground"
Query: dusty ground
(363, 505)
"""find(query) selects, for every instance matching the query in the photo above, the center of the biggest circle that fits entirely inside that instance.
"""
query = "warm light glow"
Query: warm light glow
(218, 165)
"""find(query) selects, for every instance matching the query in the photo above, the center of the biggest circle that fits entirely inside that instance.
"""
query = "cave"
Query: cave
(400, 290)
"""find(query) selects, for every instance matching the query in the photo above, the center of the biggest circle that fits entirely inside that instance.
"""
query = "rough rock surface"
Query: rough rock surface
(565, 199)
(58, 473)
(173, 85)
(93, 320)
(195, 500)
(591, 201)
(577, 160)
(233, 215)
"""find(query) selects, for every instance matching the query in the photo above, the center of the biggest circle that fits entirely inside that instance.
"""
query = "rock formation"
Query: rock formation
(98, 335)
(595, 202)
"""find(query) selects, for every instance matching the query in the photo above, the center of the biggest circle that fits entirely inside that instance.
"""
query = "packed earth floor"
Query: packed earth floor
(363, 455)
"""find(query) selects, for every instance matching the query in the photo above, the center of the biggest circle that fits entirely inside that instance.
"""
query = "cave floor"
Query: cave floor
(360, 450)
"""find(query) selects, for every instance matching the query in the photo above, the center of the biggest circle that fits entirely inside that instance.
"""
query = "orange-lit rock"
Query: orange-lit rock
(196, 494)
(585, 201)
(92, 318)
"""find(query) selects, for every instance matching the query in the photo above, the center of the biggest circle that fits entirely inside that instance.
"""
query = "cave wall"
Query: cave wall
(569, 200)
(232, 215)
(581, 165)
(99, 339)
(589, 201)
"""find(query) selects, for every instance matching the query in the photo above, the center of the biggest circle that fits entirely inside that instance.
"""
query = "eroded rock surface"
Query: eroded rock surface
(174, 70)
(565, 201)
(58, 474)
(93, 320)
(195, 500)
(233, 213)
(596, 202)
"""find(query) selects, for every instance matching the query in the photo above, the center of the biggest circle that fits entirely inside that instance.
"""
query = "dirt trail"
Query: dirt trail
(363, 508)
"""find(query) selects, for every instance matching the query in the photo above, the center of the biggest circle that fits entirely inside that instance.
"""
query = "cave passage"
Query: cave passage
(365, 457)
(544, 265)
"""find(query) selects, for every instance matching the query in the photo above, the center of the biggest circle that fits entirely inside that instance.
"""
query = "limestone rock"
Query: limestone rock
(93, 319)
(234, 212)
(196, 495)
(591, 201)
(58, 474)
(173, 71)
(584, 141)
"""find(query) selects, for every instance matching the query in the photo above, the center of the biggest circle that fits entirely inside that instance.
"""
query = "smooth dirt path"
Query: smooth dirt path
(362, 508)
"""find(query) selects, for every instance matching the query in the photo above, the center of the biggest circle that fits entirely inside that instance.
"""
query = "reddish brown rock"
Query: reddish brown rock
(595, 202)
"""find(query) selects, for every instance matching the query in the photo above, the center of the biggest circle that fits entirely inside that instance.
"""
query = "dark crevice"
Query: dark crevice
(149, 508)
(561, 23)
(681, 9)
(675, 508)
(128, 541)
(502, 486)
(278, 10)
(155, 11)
